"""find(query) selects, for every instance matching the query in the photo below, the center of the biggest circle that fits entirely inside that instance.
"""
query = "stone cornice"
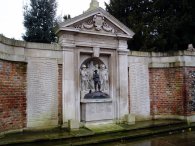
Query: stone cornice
(161, 54)
(163, 60)
(15, 50)
(30, 45)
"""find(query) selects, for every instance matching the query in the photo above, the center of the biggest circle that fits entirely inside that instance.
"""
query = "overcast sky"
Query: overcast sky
(11, 14)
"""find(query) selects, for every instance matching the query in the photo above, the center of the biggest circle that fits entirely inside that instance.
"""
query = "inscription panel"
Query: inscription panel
(42, 101)
(139, 89)
(97, 111)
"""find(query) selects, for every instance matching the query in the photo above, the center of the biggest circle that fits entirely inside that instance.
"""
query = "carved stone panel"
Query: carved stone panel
(96, 111)
(87, 71)
(97, 23)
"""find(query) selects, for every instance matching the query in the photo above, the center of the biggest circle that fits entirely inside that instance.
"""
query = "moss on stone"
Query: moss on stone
(104, 128)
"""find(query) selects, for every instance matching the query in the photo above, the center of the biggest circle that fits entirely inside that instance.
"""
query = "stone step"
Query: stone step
(92, 136)
(128, 134)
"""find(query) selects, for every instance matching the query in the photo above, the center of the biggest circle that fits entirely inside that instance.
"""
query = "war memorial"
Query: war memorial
(91, 77)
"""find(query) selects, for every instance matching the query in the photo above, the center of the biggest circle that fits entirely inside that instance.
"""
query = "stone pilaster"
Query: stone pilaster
(123, 79)
(68, 85)
(69, 100)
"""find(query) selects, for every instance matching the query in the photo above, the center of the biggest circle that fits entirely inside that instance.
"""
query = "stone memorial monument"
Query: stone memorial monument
(94, 90)
(91, 77)
(95, 86)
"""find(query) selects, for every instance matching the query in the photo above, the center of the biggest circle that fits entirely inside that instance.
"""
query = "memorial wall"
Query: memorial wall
(91, 77)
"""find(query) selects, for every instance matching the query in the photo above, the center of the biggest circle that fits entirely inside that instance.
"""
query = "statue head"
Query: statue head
(96, 66)
(83, 66)
(95, 71)
(103, 66)
(190, 46)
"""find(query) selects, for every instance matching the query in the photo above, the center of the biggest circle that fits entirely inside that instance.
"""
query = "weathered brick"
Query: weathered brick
(167, 87)
(12, 95)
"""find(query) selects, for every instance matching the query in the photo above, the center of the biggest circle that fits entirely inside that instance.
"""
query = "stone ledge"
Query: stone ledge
(11, 42)
(189, 119)
(95, 100)
(84, 136)
(161, 54)
(167, 65)
(23, 44)
(42, 124)
(175, 117)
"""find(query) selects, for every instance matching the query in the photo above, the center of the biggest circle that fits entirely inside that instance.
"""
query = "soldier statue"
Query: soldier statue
(96, 79)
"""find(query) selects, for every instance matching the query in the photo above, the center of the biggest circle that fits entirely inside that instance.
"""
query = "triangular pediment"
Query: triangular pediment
(98, 22)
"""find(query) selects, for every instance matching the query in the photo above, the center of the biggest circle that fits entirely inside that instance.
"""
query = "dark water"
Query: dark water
(180, 139)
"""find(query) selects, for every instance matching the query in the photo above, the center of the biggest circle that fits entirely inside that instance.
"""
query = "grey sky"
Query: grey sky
(11, 14)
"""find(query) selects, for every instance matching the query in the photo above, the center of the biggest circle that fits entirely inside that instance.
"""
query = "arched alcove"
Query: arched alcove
(92, 62)
(87, 71)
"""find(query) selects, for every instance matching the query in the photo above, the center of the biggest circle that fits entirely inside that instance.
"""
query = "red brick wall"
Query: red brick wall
(167, 91)
(12, 95)
(60, 94)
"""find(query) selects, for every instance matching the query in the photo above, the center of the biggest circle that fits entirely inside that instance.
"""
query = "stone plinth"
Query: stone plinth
(130, 119)
(94, 41)
(93, 110)
(73, 124)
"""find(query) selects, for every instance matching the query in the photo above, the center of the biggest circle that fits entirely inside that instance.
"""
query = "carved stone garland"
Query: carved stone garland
(98, 23)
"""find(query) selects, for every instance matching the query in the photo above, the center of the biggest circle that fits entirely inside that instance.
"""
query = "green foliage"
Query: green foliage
(39, 21)
(159, 25)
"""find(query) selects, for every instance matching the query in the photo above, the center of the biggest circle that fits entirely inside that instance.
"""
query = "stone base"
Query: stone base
(83, 93)
(143, 117)
(47, 123)
(130, 119)
(174, 117)
(73, 124)
(96, 110)
(188, 119)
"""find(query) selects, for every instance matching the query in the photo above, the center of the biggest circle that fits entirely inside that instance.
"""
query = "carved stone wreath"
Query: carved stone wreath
(98, 23)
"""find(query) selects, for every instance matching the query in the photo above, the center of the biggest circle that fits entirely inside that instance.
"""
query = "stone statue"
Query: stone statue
(96, 68)
(93, 5)
(90, 72)
(190, 47)
(84, 78)
(103, 77)
(96, 79)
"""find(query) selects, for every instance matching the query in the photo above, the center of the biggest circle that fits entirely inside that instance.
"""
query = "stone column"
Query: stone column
(123, 108)
(68, 85)
(69, 102)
